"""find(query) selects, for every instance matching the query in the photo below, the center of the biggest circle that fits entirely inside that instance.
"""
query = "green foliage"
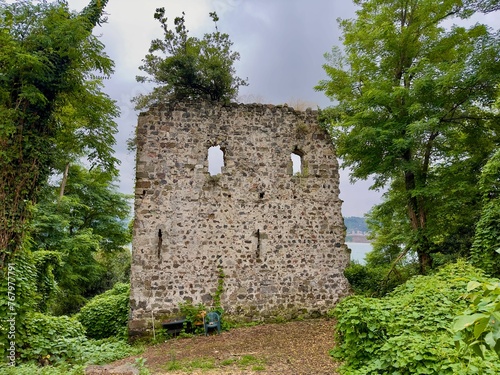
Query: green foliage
(30, 369)
(189, 67)
(140, 363)
(207, 363)
(408, 331)
(484, 252)
(46, 262)
(51, 339)
(100, 352)
(479, 326)
(220, 289)
(88, 229)
(387, 265)
(18, 291)
(487, 239)
(193, 315)
(106, 315)
(44, 339)
(415, 112)
(52, 109)
(83, 352)
(377, 280)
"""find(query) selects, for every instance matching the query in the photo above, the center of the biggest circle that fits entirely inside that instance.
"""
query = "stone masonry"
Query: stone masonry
(278, 237)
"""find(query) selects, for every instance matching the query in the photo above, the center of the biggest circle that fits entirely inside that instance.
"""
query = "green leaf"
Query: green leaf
(480, 325)
(477, 349)
(465, 321)
(473, 285)
(488, 339)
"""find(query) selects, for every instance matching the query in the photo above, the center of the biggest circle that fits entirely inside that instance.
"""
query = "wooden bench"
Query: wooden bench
(174, 326)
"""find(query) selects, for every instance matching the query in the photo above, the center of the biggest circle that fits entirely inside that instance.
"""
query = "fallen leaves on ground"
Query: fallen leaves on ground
(293, 348)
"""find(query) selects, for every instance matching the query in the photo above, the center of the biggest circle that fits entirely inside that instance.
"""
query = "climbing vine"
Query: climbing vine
(220, 289)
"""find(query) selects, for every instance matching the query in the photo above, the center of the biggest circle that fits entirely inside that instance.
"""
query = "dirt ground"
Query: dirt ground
(294, 348)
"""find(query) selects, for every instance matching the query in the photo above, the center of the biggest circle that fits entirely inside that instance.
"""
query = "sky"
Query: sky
(281, 45)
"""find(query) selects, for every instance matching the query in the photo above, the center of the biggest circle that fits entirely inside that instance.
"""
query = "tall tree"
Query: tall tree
(88, 229)
(52, 108)
(186, 67)
(413, 102)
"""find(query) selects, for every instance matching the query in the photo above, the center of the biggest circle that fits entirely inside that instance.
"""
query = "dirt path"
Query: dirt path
(295, 348)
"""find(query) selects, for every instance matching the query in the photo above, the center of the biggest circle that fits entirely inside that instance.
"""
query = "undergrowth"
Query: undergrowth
(409, 330)
(84, 352)
(208, 363)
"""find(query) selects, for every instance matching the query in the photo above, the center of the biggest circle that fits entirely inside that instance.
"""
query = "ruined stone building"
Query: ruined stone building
(275, 233)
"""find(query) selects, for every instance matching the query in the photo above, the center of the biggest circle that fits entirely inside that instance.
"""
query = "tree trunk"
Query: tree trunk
(418, 220)
(19, 189)
(63, 182)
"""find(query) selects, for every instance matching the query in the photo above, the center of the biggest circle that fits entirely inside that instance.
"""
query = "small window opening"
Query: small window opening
(160, 242)
(296, 162)
(215, 160)
(261, 195)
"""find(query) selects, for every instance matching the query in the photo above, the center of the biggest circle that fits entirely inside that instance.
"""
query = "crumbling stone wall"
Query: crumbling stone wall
(277, 237)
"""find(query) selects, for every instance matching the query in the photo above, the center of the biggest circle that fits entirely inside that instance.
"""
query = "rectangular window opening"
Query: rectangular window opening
(215, 160)
(296, 163)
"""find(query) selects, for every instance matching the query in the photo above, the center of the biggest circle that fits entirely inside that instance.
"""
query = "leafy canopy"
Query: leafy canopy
(52, 108)
(186, 67)
(85, 232)
(413, 109)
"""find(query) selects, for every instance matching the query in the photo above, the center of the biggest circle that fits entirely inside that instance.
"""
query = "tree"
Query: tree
(52, 109)
(188, 67)
(413, 106)
(88, 229)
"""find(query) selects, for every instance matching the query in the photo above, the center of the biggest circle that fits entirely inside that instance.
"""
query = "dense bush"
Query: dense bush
(31, 369)
(106, 315)
(60, 341)
(377, 280)
(51, 339)
(408, 331)
(55, 359)
(479, 326)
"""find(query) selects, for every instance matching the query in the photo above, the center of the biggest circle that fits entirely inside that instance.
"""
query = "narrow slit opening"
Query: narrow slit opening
(258, 243)
(160, 242)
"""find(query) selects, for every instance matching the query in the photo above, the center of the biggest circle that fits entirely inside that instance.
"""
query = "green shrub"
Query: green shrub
(106, 315)
(479, 326)
(408, 331)
(98, 352)
(31, 369)
(193, 315)
(66, 355)
(50, 339)
(375, 280)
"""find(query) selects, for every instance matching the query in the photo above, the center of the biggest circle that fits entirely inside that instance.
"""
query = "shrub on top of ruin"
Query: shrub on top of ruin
(186, 67)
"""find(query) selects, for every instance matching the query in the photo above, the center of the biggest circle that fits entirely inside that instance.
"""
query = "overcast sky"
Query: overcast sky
(281, 43)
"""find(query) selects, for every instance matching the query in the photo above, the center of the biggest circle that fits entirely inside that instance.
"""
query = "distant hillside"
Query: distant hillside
(357, 230)
(355, 224)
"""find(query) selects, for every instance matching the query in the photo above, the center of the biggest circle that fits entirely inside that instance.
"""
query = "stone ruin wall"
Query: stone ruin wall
(278, 238)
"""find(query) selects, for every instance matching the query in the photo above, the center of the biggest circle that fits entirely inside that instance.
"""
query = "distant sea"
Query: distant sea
(359, 250)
